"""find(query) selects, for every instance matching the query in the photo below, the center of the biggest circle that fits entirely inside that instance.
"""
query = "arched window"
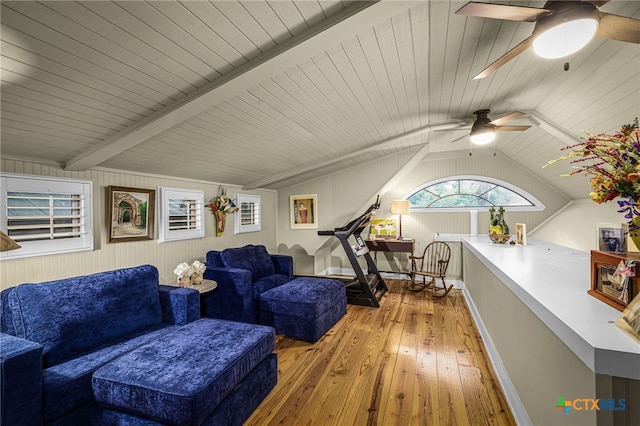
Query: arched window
(465, 193)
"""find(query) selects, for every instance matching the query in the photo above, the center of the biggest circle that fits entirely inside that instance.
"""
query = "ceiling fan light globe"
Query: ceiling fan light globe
(565, 39)
(482, 137)
(566, 31)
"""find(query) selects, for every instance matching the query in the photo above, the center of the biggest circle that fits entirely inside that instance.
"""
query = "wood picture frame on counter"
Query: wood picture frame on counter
(603, 266)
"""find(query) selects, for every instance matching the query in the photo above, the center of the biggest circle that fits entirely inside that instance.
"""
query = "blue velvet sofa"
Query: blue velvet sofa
(117, 348)
(243, 274)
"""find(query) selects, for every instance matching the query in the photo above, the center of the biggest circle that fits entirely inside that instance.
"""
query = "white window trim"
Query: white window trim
(537, 204)
(251, 199)
(13, 182)
(165, 233)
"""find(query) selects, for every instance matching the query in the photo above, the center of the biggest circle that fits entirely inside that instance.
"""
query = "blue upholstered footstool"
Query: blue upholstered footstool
(304, 308)
(208, 372)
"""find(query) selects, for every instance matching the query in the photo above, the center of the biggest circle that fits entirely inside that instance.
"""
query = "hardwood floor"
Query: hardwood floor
(413, 361)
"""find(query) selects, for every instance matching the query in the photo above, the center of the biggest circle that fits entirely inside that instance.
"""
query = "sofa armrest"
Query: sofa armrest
(20, 381)
(283, 264)
(233, 297)
(179, 305)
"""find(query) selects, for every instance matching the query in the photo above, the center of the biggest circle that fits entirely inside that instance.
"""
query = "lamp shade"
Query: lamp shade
(400, 207)
(566, 31)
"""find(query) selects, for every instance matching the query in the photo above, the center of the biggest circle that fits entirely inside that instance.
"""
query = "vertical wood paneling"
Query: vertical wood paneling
(107, 256)
(344, 195)
(77, 73)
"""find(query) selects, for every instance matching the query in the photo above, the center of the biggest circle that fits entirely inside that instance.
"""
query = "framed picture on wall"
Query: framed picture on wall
(304, 211)
(131, 213)
(611, 237)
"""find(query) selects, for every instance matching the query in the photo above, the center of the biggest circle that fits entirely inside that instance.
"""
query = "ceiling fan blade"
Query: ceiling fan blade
(507, 118)
(619, 28)
(502, 11)
(505, 58)
(466, 135)
(511, 128)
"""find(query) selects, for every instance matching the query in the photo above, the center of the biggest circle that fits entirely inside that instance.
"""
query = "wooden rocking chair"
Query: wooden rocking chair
(433, 264)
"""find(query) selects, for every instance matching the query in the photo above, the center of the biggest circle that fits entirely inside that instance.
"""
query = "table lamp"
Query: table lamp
(400, 207)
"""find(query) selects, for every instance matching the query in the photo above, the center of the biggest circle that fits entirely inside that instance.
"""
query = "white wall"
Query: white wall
(345, 194)
(108, 256)
(575, 225)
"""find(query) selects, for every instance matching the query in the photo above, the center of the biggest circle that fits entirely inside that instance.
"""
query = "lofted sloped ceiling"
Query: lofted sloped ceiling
(270, 93)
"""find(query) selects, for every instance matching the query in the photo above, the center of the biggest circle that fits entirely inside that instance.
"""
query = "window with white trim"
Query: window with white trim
(180, 214)
(46, 215)
(248, 217)
(465, 193)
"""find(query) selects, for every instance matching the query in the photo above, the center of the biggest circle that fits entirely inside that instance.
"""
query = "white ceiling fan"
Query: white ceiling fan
(561, 27)
(483, 129)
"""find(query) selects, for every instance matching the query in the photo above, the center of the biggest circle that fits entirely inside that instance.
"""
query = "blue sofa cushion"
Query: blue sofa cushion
(68, 384)
(72, 315)
(254, 258)
(215, 356)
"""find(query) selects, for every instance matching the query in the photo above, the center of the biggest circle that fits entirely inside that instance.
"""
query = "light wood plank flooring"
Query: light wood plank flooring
(413, 361)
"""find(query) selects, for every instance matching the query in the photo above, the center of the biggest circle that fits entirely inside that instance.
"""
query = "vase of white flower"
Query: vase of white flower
(184, 272)
(198, 272)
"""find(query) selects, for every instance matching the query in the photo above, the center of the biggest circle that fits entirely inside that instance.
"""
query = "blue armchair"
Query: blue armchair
(243, 274)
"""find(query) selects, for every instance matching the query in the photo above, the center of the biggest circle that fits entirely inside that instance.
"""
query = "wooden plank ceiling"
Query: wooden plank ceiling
(267, 93)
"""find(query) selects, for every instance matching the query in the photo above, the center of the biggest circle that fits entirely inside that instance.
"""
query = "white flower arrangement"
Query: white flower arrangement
(198, 267)
(183, 270)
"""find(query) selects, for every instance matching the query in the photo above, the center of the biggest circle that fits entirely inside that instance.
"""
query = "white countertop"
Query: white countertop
(553, 281)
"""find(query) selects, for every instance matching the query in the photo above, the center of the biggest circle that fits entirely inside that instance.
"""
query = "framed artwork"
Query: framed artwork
(629, 322)
(611, 237)
(521, 234)
(131, 214)
(383, 228)
(304, 211)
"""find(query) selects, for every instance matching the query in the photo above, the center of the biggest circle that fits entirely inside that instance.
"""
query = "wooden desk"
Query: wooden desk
(396, 246)
(392, 246)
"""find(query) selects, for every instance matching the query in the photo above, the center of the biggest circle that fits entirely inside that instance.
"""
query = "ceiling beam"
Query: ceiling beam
(552, 128)
(351, 21)
(376, 145)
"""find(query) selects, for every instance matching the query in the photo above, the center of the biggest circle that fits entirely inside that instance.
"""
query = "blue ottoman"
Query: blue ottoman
(191, 376)
(304, 308)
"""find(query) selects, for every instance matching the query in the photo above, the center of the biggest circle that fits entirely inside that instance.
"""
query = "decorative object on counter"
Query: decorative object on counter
(184, 272)
(521, 233)
(498, 228)
(613, 162)
(198, 269)
(613, 277)
(221, 207)
(611, 237)
(629, 321)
